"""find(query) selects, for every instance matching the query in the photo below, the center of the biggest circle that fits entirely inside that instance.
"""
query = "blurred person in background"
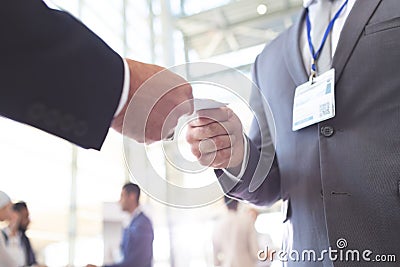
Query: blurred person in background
(138, 236)
(7, 235)
(24, 243)
(235, 238)
(264, 240)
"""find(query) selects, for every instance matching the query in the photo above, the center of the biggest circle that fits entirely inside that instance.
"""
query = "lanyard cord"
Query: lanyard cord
(316, 54)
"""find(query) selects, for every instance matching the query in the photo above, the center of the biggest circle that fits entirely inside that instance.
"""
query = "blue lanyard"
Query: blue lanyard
(314, 54)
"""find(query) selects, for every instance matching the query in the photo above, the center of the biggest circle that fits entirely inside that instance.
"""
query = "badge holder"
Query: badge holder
(314, 101)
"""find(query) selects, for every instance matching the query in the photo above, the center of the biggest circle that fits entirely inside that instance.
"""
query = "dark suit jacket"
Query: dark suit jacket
(55, 74)
(342, 181)
(137, 243)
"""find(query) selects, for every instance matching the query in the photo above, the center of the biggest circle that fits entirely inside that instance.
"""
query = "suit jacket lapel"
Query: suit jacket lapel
(351, 33)
(292, 55)
(30, 257)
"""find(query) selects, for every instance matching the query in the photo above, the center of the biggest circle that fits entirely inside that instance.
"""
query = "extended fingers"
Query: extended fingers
(209, 131)
(212, 145)
(216, 159)
(216, 143)
(213, 137)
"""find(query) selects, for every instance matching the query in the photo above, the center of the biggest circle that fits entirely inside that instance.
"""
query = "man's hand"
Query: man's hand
(216, 138)
(157, 106)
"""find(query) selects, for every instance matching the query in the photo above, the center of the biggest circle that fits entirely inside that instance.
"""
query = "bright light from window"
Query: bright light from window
(262, 9)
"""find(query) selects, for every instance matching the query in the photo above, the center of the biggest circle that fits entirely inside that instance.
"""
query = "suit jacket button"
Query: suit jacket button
(327, 131)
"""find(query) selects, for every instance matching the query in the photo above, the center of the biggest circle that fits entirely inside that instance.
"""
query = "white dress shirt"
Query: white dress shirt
(15, 248)
(305, 50)
(336, 30)
(11, 251)
(125, 89)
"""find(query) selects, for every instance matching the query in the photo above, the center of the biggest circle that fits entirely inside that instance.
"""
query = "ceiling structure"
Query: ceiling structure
(237, 25)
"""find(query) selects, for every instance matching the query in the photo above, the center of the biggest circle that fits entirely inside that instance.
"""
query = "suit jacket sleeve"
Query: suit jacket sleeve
(55, 74)
(260, 183)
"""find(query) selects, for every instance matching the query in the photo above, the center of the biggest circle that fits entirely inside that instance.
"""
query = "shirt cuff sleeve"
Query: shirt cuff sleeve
(229, 173)
(125, 89)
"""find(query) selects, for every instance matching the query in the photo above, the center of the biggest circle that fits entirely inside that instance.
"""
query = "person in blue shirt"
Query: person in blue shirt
(138, 236)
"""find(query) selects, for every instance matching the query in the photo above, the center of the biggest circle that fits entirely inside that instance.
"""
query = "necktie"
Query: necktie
(319, 24)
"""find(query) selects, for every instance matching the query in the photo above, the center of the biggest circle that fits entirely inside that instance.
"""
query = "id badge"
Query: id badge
(314, 101)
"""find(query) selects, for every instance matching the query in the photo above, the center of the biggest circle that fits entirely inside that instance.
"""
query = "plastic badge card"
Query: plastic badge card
(202, 103)
(314, 101)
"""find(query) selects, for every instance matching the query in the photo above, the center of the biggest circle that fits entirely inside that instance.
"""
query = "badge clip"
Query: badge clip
(313, 72)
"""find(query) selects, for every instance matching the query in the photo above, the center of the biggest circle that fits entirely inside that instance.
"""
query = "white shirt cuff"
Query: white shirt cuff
(244, 163)
(125, 89)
